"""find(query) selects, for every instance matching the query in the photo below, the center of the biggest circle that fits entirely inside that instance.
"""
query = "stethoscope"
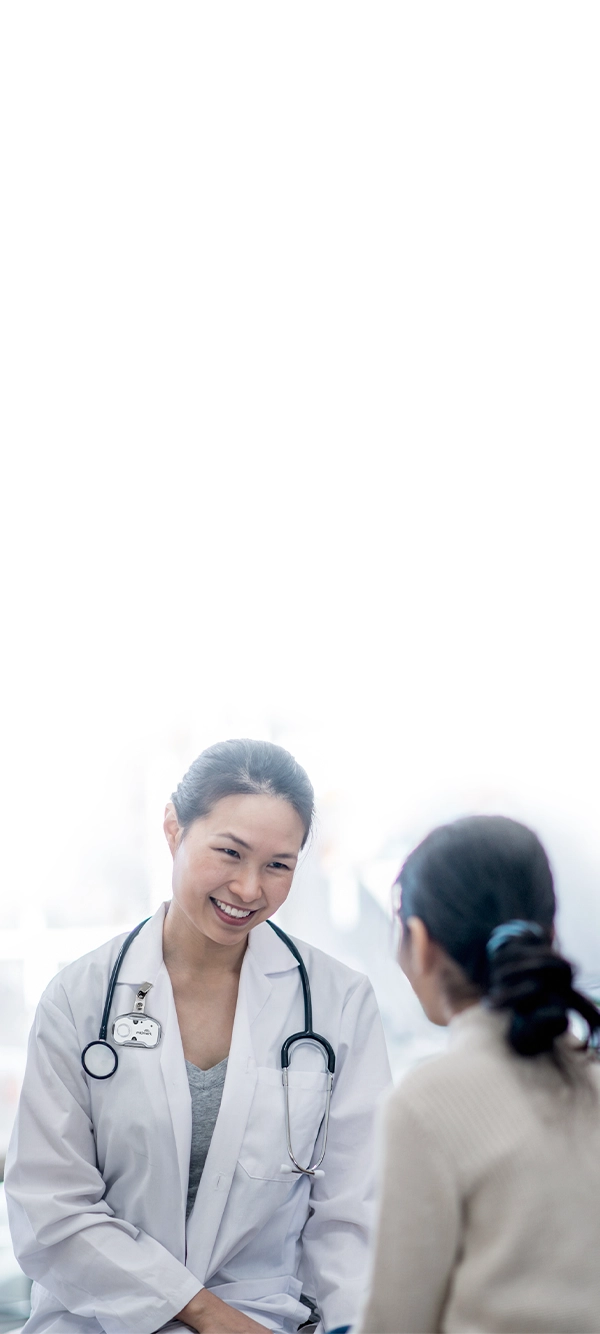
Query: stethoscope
(138, 1029)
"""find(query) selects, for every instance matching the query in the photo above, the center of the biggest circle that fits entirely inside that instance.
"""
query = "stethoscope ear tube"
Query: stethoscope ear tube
(313, 1170)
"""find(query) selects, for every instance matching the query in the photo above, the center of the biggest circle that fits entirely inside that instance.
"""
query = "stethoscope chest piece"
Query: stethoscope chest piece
(99, 1059)
(137, 1029)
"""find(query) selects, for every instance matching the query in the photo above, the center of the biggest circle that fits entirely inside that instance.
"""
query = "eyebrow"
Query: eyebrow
(284, 856)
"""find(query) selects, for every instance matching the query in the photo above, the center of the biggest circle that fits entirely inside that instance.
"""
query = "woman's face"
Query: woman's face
(234, 867)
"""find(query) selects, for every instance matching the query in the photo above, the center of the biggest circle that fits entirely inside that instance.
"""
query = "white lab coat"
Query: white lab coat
(97, 1170)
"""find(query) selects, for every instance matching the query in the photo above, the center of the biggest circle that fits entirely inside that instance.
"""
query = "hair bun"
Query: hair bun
(533, 1033)
(529, 979)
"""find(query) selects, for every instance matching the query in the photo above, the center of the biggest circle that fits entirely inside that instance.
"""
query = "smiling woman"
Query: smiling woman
(175, 1191)
(235, 827)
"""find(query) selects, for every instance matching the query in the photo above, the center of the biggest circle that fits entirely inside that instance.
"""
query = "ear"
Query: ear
(421, 946)
(172, 827)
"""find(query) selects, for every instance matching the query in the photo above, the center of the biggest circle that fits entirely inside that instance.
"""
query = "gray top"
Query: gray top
(206, 1088)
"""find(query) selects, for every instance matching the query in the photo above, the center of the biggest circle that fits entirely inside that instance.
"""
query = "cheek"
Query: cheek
(195, 876)
(276, 892)
(404, 959)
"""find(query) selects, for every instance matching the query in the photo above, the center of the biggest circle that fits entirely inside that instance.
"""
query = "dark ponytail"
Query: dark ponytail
(529, 978)
(247, 768)
(483, 888)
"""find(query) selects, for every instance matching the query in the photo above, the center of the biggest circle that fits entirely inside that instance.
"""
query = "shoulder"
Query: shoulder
(478, 1092)
(86, 979)
(345, 1004)
(275, 955)
(426, 1081)
(91, 970)
(451, 1087)
(318, 963)
(338, 991)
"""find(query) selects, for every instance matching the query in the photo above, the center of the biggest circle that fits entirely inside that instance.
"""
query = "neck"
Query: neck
(185, 947)
(457, 1007)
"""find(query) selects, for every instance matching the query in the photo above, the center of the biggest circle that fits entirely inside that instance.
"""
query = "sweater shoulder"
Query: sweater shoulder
(488, 1086)
(454, 1077)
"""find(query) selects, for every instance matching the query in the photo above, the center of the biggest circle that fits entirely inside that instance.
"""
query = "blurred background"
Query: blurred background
(300, 419)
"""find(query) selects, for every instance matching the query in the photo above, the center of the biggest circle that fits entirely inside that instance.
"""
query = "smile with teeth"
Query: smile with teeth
(231, 911)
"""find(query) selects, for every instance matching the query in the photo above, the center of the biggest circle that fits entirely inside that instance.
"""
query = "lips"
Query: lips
(227, 912)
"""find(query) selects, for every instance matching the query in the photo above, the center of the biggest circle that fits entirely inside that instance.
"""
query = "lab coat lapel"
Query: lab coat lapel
(144, 963)
(144, 957)
(265, 953)
(172, 1064)
(238, 1092)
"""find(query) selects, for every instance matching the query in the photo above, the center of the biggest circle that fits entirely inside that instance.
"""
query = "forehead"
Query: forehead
(257, 818)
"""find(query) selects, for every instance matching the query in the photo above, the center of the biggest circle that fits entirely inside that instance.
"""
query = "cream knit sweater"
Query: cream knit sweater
(490, 1209)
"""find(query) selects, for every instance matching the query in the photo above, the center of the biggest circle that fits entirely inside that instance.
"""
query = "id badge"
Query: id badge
(137, 1029)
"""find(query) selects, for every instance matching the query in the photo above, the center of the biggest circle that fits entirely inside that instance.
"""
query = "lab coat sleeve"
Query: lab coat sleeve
(336, 1236)
(418, 1228)
(65, 1234)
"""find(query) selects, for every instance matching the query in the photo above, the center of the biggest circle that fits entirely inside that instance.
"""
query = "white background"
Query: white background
(300, 360)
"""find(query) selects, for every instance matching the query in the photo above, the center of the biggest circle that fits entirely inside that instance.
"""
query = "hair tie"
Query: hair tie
(510, 930)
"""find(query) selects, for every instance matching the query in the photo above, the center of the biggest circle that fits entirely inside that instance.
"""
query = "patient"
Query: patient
(489, 1216)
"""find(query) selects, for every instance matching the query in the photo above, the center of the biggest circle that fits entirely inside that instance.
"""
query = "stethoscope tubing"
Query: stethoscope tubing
(307, 1035)
(101, 1040)
(114, 978)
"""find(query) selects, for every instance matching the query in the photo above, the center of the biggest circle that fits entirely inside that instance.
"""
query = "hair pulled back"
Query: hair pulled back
(468, 878)
(247, 768)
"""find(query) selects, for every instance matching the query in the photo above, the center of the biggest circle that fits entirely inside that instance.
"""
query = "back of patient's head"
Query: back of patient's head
(483, 888)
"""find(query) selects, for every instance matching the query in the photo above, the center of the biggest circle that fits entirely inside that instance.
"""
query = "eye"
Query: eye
(279, 866)
(229, 852)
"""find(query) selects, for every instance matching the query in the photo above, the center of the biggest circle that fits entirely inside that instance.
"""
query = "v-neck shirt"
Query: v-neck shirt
(206, 1089)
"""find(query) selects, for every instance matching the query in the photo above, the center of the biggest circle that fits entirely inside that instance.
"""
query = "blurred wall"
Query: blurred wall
(299, 340)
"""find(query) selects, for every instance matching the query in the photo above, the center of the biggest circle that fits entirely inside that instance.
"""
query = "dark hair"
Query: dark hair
(467, 878)
(245, 767)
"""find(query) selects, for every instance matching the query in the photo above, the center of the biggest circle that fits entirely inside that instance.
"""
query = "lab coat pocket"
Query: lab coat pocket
(264, 1149)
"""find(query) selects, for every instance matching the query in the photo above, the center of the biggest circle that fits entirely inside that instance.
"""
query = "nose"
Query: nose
(246, 885)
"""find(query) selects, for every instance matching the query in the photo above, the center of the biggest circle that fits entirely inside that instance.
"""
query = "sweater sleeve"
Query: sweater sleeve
(418, 1228)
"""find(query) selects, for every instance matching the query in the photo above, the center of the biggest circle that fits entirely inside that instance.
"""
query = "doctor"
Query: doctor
(164, 1195)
